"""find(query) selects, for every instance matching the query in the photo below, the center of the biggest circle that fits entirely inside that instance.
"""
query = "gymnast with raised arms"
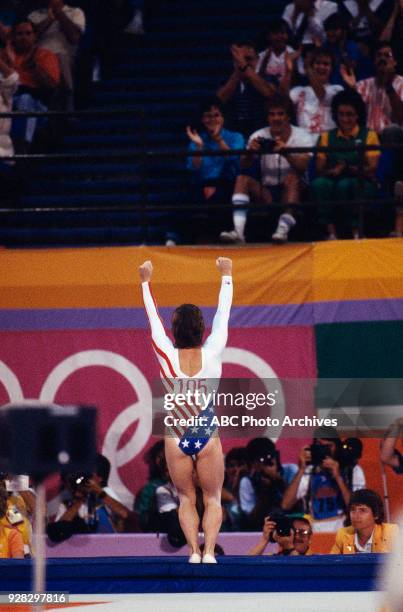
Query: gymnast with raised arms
(189, 361)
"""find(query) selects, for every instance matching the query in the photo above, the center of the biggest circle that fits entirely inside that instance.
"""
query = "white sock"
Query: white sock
(239, 215)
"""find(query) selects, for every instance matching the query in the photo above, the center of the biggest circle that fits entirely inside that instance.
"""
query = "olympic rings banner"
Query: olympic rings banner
(73, 330)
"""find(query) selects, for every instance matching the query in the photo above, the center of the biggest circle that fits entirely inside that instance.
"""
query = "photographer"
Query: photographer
(261, 492)
(325, 480)
(91, 506)
(280, 530)
(389, 453)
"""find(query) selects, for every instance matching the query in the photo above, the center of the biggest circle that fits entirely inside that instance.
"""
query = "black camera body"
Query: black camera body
(267, 144)
(319, 452)
(283, 525)
(79, 481)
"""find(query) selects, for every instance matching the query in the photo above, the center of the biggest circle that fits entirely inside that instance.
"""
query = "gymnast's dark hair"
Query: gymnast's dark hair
(187, 326)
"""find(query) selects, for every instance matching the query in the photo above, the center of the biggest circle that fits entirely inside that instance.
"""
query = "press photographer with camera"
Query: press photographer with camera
(277, 529)
(90, 506)
(261, 491)
(326, 477)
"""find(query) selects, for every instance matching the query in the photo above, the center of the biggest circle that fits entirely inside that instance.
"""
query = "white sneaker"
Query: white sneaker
(231, 237)
(195, 558)
(285, 223)
(207, 558)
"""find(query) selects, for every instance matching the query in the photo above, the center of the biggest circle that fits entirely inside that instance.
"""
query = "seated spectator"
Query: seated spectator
(280, 175)
(272, 61)
(8, 86)
(366, 18)
(245, 92)
(213, 178)
(344, 176)
(261, 491)
(313, 102)
(295, 542)
(145, 503)
(367, 532)
(323, 483)
(11, 543)
(59, 28)
(39, 74)
(382, 94)
(344, 51)
(389, 453)
(91, 506)
(305, 19)
(236, 466)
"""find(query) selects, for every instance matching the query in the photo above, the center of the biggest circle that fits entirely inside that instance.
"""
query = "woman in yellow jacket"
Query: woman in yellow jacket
(367, 532)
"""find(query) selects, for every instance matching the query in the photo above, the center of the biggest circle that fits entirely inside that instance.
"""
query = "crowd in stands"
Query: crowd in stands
(327, 74)
(288, 503)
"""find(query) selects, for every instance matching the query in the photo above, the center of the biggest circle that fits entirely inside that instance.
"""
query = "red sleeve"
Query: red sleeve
(49, 62)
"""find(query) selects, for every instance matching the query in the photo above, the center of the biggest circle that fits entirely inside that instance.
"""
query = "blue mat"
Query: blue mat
(174, 575)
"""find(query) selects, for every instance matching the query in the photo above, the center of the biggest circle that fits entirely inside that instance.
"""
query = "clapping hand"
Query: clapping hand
(194, 136)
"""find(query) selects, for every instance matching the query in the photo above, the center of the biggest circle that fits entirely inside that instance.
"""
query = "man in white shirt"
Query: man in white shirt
(59, 29)
(280, 171)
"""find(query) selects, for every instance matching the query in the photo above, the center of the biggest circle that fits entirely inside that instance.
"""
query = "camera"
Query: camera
(267, 144)
(319, 452)
(78, 481)
(283, 525)
(351, 451)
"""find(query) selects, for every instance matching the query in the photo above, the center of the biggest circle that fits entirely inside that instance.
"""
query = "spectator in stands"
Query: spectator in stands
(389, 453)
(344, 50)
(323, 483)
(245, 92)
(393, 33)
(145, 503)
(59, 28)
(305, 19)
(236, 466)
(366, 18)
(261, 491)
(11, 543)
(313, 102)
(8, 86)
(91, 505)
(39, 75)
(367, 533)
(272, 61)
(382, 94)
(281, 173)
(344, 176)
(213, 178)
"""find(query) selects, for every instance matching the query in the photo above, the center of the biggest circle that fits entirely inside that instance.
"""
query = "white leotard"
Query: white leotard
(211, 351)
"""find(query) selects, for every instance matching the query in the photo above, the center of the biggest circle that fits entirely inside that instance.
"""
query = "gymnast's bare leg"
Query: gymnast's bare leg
(180, 468)
(210, 470)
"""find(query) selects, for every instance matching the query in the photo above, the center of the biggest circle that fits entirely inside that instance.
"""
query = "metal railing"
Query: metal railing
(145, 155)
